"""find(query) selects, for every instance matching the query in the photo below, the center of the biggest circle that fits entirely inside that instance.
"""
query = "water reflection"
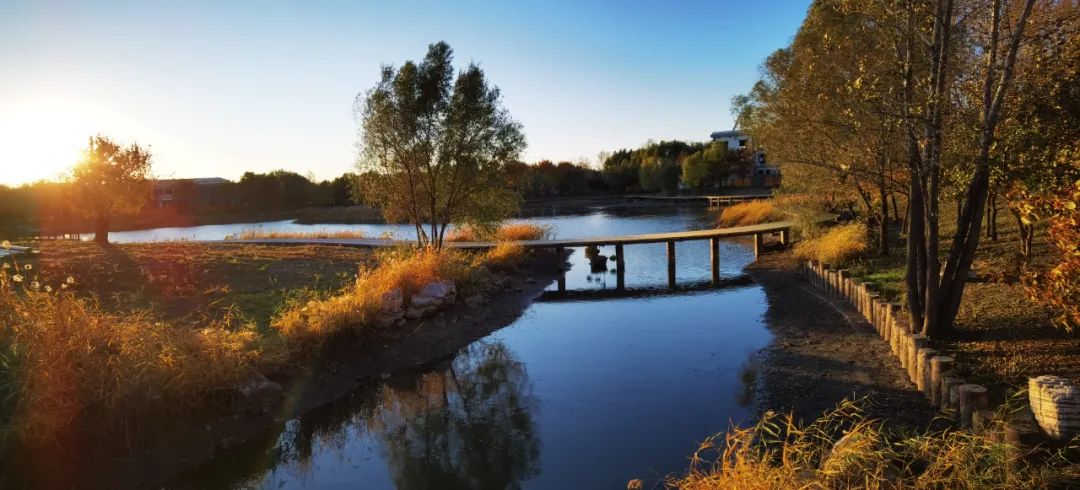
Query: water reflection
(469, 426)
(463, 424)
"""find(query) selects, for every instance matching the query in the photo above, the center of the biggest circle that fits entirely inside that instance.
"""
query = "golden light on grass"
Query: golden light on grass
(845, 449)
(837, 244)
(507, 232)
(257, 234)
(749, 213)
(64, 357)
(312, 319)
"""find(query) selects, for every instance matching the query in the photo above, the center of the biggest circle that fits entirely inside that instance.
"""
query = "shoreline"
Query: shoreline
(165, 450)
(822, 352)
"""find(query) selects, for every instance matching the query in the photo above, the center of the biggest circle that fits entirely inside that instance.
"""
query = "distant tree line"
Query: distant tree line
(663, 166)
(70, 206)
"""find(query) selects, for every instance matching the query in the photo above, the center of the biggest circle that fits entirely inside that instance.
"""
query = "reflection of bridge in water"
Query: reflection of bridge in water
(759, 232)
(575, 295)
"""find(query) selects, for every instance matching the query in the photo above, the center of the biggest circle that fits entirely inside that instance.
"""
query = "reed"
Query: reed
(845, 449)
(310, 319)
(749, 213)
(65, 359)
(835, 245)
(257, 234)
(506, 232)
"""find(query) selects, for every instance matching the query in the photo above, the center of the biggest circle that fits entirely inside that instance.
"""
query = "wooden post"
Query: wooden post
(562, 283)
(559, 258)
(842, 281)
(671, 264)
(759, 243)
(620, 268)
(923, 370)
(891, 310)
(972, 397)
(982, 421)
(785, 237)
(714, 256)
(940, 370)
(915, 342)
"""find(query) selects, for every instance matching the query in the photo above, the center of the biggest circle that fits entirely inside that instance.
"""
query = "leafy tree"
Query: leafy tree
(110, 180)
(436, 150)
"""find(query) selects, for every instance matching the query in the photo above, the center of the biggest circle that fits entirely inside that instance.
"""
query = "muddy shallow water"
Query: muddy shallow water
(585, 390)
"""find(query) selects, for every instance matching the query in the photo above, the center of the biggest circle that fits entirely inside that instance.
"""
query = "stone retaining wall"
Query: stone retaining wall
(1055, 401)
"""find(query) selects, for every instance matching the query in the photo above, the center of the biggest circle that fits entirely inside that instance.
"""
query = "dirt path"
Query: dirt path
(823, 352)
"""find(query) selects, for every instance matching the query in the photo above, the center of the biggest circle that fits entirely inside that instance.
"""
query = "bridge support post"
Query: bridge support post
(559, 258)
(620, 268)
(785, 237)
(714, 256)
(671, 264)
(759, 243)
(562, 283)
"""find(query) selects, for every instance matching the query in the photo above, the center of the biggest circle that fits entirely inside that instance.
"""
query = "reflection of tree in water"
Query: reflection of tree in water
(467, 426)
(466, 423)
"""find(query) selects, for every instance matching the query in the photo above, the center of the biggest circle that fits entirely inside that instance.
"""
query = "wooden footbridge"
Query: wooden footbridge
(782, 228)
(712, 201)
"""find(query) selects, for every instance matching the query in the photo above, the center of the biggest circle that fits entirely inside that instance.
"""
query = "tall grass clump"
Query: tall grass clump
(844, 449)
(750, 213)
(257, 234)
(314, 318)
(505, 255)
(506, 232)
(67, 362)
(835, 245)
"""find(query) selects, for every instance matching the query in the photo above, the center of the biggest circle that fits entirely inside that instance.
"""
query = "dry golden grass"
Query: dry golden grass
(843, 449)
(314, 319)
(64, 357)
(505, 255)
(507, 232)
(749, 213)
(836, 245)
(257, 234)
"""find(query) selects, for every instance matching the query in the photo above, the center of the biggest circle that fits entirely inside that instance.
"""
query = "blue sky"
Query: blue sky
(217, 88)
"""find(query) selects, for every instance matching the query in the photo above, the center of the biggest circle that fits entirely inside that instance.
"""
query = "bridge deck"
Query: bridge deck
(680, 236)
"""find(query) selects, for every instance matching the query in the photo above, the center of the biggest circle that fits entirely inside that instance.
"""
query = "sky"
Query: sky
(219, 88)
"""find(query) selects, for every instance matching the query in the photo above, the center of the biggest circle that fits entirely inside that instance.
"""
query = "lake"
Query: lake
(582, 393)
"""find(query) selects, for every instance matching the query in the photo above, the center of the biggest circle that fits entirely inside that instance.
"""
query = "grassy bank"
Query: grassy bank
(1002, 336)
(91, 334)
(845, 449)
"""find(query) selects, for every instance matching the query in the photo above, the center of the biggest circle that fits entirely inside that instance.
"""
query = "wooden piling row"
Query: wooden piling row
(929, 371)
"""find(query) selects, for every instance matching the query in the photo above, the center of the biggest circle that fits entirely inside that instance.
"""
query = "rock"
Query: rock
(413, 313)
(475, 301)
(255, 393)
(434, 295)
(392, 300)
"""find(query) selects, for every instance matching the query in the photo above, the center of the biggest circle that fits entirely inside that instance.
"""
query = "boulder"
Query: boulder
(256, 392)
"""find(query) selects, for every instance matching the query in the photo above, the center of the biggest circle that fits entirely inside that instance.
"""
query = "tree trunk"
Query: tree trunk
(883, 226)
(101, 228)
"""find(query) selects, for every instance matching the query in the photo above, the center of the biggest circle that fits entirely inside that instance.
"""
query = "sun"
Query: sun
(41, 138)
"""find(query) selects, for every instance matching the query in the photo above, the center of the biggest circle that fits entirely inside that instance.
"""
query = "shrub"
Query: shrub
(844, 449)
(1058, 287)
(256, 234)
(67, 360)
(836, 245)
(749, 213)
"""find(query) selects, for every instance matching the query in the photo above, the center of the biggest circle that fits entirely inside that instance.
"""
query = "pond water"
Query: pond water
(582, 391)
